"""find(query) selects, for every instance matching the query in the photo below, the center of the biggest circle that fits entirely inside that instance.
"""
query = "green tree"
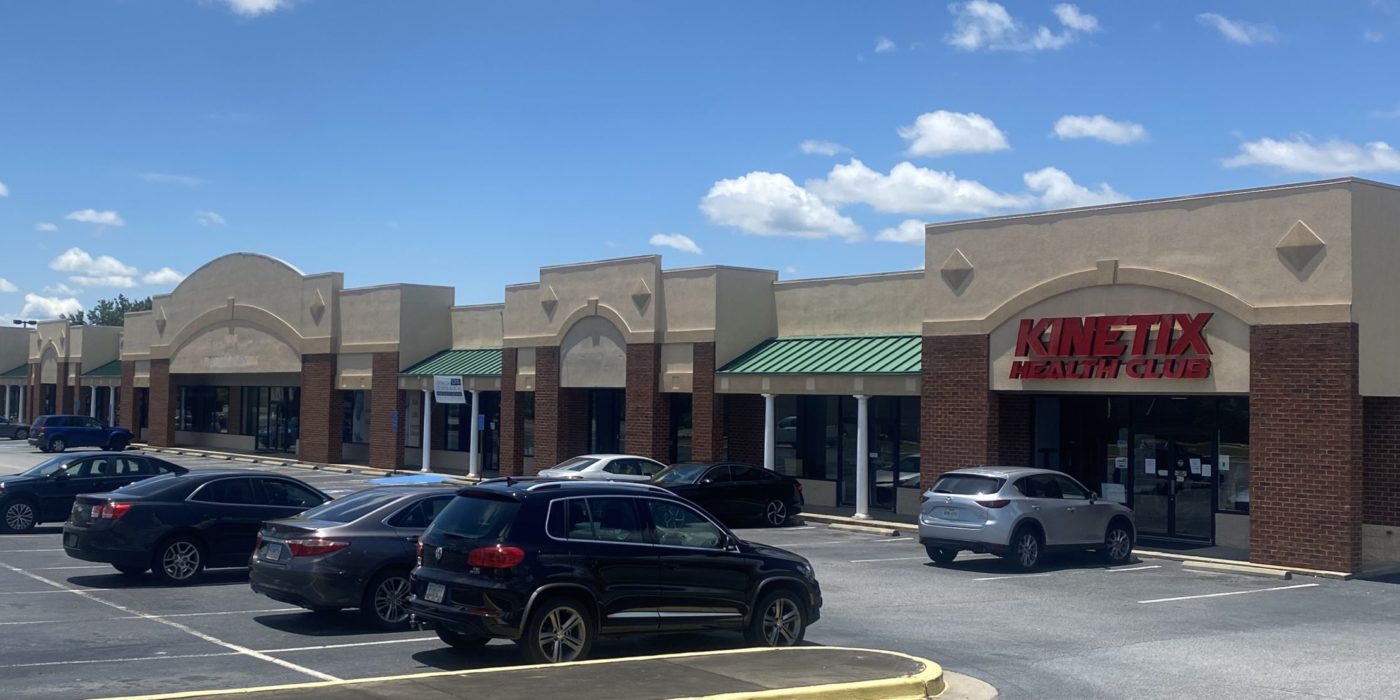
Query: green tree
(109, 312)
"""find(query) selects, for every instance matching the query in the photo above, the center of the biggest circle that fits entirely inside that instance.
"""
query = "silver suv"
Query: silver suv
(1020, 514)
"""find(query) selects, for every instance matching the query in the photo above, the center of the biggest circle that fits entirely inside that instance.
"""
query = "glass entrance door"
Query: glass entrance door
(1172, 484)
(277, 412)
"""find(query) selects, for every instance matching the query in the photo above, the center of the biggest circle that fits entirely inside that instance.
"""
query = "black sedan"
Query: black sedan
(354, 552)
(736, 494)
(45, 493)
(12, 430)
(178, 525)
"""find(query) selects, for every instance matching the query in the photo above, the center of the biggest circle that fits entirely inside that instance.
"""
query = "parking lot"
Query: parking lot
(1076, 629)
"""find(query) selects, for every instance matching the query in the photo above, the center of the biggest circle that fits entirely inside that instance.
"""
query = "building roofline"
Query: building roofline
(847, 278)
(605, 261)
(469, 307)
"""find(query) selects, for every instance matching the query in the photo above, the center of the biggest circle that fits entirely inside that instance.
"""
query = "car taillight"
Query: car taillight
(498, 557)
(998, 503)
(314, 546)
(798, 484)
(420, 551)
(109, 511)
(41, 430)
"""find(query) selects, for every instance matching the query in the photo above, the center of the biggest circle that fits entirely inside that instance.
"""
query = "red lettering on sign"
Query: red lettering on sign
(1093, 347)
(1030, 339)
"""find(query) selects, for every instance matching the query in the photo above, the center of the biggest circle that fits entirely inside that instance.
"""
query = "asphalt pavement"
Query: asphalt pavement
(1076, 629)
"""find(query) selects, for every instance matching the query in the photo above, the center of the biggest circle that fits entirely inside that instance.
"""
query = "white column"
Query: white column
(7, 400)
(427, 430)
(22, 389)
(112, 405)
(474, 459)
(92, 401)
(862, 457)
(769, 433)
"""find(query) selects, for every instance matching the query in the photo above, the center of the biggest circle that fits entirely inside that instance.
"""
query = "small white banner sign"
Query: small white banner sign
(448, 390)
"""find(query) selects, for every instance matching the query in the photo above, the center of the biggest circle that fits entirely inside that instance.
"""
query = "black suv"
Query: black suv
(554, 564)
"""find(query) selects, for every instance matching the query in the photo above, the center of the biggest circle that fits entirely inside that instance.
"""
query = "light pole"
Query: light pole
(21, 322)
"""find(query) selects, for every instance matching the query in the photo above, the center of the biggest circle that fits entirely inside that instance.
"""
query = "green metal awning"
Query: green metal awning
(862, 354)
(482, 362)
(111, 369)
(20, 372)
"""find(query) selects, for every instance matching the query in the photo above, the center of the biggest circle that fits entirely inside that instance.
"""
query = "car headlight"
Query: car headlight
(805, 569)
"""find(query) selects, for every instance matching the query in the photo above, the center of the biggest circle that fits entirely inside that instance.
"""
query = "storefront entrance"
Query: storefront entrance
(1172, 494)
(607, 420)
(275, 413)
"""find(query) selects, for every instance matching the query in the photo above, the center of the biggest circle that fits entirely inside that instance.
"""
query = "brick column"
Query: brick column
(706, 418)
(1305, 446)
(963, 423)
(386, 413)
(1381, 448)
(77, 398)
(548, 421)
(161, 428)
(743, 424)
(127, 399)
(32, 397)
(512, 417)
(63, 394)
(319, 439)
(648, 411)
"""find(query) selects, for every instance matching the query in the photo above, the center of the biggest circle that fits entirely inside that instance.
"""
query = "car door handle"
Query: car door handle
(1070, 509)
(1034, 507)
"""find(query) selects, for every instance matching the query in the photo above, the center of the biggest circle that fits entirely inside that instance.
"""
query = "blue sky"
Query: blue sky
(469, 143)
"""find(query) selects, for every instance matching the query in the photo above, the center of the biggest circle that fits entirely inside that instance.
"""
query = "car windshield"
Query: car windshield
(352, 507)
(576, 464)
(680, 474)
(48, 466)
(968, 484)
(475, 518)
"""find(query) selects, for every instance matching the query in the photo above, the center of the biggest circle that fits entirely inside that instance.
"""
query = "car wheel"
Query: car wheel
(1025, 548)
(130, 570)
(386, 600)
(941, 555)
(57, 445)
(1118, 543)
(20, 515)
(778, 621)
(178, 560)
(21, 434)
(560, 630)
(775, 513)
(117, 445)
(462, 640)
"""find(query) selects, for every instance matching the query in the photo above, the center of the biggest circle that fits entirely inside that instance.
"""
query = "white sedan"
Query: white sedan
(605, 467)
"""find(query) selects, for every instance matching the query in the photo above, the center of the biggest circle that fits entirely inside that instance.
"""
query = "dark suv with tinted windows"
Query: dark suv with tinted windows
(555, 564)
(58, 433)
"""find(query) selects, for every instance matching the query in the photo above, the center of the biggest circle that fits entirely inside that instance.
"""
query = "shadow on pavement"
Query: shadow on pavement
(343, 623)
(117, 581)
(39, 530)
(1048, 564)
(504, 655)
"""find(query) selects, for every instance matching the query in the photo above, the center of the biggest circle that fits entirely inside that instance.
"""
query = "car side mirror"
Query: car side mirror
(706, 482)
(61, 476)
(1093, 496)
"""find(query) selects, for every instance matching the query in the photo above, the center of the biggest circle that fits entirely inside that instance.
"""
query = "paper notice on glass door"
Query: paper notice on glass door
(1195, 465)
(1149, 466)
(1224, 463)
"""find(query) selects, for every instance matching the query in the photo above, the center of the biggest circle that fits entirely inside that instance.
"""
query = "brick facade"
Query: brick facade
(1305, 434)
(32, 396)
(161, 418)
(63, 396)
(648, 409)
(561, 415)
(1381, 473)
(964, 423)
(322, 409)
(127, 400)
(706, 416)
(386, 413)
(743, 427)
(512, 416)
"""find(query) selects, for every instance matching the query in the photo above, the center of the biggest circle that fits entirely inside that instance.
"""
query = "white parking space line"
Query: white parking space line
(867, 561)
(35, 592)
(1005, 578)
(354, 644)
(68, 568)
(163, 617)
(1222, 595)
(121, 661)
(850, 541)
(183, 628)
(21, 551)
(1136, 568)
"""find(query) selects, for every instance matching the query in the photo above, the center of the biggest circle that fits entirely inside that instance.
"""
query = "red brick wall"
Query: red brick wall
(386, 412)
(573, 439)
(706, 416)
(322, 410)
(63, 402)
(512, 417)
(743, 425)
(1013, 446)
(1381, 447)
(648, 410)
(161, 419)
(547, 409)
(127, 399)
(1305, 433)
(965, 424)
(31, 397)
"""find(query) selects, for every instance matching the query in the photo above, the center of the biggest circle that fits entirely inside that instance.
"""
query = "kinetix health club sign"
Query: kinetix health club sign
(1107, 347)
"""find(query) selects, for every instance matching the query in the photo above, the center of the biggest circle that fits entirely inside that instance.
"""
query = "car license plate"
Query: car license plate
(946, 513)
(70, 540)
(435, 592)
(272, 552)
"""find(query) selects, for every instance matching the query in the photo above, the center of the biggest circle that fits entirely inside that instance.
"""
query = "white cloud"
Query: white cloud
(908, 231)
(884, 45)
(7, 286)
(38, 307)
(677, 241)
(103, 271)
(163, 276)
(4, 190)
(209, 218)
(60, 288)
(771, 204)
(170, 179)
(909, 189)
(1238, 31)
(1099, 127)
(100, 218)
(790, 270)
(982, 24)
(1386, 113)
(1372, 36)
(942, 133)
(253, 8)
(1056, 190)
(1303, 155)
(815, 147)
(45, 227)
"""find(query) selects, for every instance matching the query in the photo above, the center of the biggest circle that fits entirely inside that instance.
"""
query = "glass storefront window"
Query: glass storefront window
(909, 440)
(203, 409)
(526, 401)
(1233, 460)
(354, 417)
(682, 435)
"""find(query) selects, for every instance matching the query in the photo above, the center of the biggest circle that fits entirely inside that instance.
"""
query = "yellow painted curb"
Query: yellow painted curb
(1320, 573)
(869, 529)
(926, 683)
(1242, 569)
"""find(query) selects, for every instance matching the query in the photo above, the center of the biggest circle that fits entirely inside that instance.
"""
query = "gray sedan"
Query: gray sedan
(1020, 514)
(353, 552)
(605, 468)
(13, 431)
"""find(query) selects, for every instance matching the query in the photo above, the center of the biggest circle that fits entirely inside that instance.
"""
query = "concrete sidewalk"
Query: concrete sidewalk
(803, 672)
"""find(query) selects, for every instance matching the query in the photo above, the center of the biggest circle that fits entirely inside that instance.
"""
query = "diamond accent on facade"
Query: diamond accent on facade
(641, 294)
(1300, 246)
(160, 320)
(318, 307)
(549, 300)
(956, 270)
